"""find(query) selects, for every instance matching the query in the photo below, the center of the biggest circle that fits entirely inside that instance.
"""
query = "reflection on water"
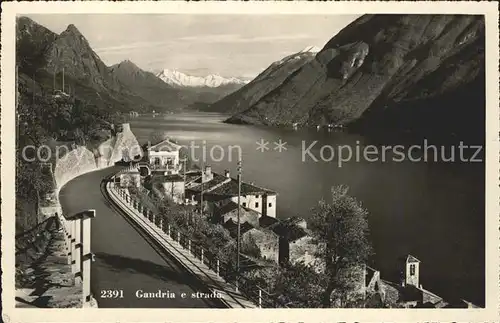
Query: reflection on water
(433, 211)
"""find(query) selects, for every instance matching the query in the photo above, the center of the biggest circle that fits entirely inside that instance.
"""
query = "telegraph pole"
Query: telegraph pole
(238, 244)
(184, 162)
(201, 194)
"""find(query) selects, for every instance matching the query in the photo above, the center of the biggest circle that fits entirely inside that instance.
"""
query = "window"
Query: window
(256, 204)
(270, 204)
(257, 196)
(244, 204)
(412, 270)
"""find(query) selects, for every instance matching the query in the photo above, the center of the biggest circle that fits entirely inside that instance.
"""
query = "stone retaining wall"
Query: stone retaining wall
(81, 160)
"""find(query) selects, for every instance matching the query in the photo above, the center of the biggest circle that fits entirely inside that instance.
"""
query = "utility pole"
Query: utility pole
(184, 161)
(63, 80)
(238, 244)
(201, 194)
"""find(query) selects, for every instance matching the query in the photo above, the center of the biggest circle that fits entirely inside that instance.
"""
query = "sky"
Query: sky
(199, 44)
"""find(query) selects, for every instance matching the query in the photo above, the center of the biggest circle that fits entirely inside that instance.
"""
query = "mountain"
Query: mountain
(32, 41)
(145, 84)
(176, 78)
(266, 82)
(417, 74)
(43, 56)
(71, 51)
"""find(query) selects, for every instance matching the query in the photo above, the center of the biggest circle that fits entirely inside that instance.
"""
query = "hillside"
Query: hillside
(146, 84)
(266, 82)
(44, 56)
(419, 74)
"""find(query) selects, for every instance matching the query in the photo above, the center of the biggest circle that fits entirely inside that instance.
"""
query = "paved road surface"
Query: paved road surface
(125, 260)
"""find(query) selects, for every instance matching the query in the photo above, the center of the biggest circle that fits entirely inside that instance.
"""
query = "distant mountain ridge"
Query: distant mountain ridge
(176, 78)
(418, 74)
(146, 84)
(277, 73)
(45, 55)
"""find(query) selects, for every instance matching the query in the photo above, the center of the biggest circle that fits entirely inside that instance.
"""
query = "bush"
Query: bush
(250, 248)
(44, 120)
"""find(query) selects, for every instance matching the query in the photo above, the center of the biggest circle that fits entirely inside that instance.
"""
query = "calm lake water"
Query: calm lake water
(432, 211)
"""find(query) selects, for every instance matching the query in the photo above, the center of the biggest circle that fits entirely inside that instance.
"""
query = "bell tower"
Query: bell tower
(412, 271)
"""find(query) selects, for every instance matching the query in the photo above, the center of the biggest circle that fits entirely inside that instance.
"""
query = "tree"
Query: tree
(299, 286)
(157, 136)
(340, 229)
(249, 247)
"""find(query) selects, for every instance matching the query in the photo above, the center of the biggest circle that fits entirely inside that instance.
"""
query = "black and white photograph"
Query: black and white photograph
(180, 160)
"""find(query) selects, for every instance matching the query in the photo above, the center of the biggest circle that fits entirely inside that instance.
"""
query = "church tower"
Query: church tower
(412, 271)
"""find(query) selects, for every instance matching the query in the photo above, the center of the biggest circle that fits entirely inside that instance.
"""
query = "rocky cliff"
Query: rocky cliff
(46, 56)
(264, 84)
(406, 73)
(82, 160)
(71, 51)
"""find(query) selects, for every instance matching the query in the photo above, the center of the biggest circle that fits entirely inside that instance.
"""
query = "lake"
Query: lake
(434, 211)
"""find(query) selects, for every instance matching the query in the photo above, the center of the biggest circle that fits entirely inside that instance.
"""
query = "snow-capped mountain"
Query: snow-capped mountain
(176, 78)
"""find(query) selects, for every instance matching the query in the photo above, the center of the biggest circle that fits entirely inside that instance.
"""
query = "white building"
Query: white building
(164, 157)
(223, 187)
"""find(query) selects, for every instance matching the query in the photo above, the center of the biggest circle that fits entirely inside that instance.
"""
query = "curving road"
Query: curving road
(125, 258)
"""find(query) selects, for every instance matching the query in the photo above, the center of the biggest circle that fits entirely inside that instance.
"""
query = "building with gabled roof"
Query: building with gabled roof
(405, 294)
(216, 187)
(266, 240)
(224, 210)
(163, 157)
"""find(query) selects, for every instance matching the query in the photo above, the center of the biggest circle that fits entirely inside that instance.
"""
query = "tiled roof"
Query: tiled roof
(410, 293)
(267, 221)
(165, 145)
(225, 206)
(193, 176)
(410, 258)
(289, 230)
(231, 189)
(227, 189)
(208, 186)
(167, 178)
(232, 227)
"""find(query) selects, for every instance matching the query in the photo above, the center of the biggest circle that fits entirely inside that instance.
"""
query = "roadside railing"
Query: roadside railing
(248, 288)
(76, 230)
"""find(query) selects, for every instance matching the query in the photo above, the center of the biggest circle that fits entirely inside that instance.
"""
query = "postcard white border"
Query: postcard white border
(12, 314)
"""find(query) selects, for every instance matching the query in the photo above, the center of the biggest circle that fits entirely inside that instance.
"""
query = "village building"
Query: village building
(129, 178)
(216, 187)
(169, 186)
(408, 293)
(162, 158)
(265, 240)
(296, 243)
(224, 210)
